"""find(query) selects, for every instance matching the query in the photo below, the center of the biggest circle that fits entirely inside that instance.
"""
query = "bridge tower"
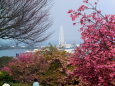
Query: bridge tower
(61, 38)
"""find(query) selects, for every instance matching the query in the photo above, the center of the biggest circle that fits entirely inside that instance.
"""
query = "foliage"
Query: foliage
(4, 60)
(93, 58)
(5, 77)
(48, 65)
(57, 60)
(57, 71)
(52, 53)
(26, 67)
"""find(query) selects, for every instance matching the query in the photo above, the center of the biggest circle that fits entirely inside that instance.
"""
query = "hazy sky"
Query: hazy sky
(60, 17)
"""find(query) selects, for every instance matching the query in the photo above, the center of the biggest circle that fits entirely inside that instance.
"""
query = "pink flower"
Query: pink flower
(7, 69)
(93, 58)
(85, 1)
(82, 8)
(70, 11)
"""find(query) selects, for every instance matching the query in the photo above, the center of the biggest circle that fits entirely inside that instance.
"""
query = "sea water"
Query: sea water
(11, 52)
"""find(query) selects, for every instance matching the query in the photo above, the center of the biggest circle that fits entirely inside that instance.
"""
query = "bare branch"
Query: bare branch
(24, 20)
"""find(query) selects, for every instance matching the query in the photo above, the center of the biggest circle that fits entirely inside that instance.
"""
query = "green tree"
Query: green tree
(4, 61)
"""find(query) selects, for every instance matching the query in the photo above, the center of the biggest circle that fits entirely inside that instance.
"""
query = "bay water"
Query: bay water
(11, 52)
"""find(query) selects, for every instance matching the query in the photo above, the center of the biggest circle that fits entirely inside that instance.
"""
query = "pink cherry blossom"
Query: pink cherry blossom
(94, 57)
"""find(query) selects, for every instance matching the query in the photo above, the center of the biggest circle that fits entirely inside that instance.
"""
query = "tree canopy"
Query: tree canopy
(94, 57)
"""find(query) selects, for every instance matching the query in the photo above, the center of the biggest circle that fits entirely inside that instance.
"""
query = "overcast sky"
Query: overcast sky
(60, 17)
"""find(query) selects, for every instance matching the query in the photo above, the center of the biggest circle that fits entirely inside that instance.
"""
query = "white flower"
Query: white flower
(5, 84)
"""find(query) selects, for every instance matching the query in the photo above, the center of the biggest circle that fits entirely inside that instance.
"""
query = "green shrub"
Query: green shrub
(4, 60)
(5, 77)
(1, 83)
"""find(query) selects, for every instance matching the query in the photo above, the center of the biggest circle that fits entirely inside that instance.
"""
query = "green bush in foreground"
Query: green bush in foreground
(4, 60)
(5, 77)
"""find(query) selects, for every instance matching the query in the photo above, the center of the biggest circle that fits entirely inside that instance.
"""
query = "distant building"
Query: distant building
(68, 45)
(63, 45)
(12, 46)
(69, 50)
(61, 38)
(23, 46)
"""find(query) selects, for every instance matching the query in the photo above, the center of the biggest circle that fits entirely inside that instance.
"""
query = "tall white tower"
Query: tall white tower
(61, 38)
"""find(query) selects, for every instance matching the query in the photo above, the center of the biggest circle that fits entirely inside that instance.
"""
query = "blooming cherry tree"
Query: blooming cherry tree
(94, 57)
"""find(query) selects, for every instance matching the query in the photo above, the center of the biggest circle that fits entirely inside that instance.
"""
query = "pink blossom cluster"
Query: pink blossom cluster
(7, 69)
(94, 58)
(27, 56)
(21, 58)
